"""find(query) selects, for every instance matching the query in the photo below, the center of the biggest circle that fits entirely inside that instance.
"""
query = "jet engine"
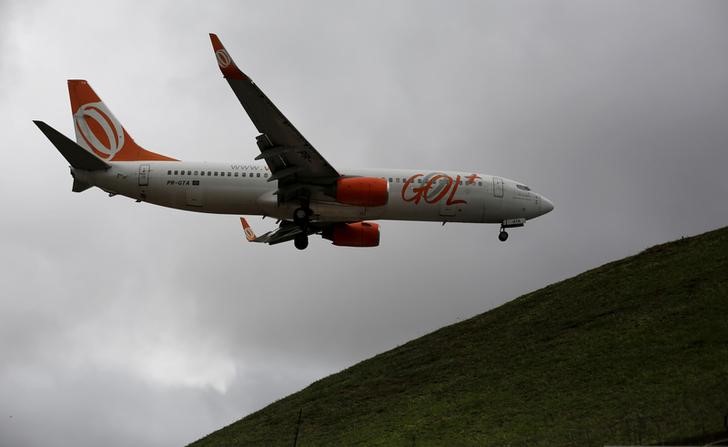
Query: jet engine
(358, 234)
(362, 191)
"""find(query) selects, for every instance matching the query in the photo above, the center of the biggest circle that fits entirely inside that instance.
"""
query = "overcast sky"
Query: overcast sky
(129, 324)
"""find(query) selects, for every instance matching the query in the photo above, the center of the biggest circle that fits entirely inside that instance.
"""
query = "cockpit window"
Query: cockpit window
(523, 187)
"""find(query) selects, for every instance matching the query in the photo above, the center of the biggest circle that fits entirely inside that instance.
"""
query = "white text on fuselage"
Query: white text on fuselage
(248, 168)
(183, 182)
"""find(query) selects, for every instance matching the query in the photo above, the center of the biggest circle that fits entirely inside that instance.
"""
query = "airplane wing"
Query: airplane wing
(286, 231)
(293, 161)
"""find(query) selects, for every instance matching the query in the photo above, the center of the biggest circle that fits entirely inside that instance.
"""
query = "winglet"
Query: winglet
(225, 62)
(249, 234)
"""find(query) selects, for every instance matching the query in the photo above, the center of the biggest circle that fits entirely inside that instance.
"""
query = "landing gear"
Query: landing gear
(503, 235)
(510, 223)
(301, 216)
(301, 241)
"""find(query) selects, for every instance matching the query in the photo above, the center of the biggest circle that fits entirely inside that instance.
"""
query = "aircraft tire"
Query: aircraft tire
(301, 241)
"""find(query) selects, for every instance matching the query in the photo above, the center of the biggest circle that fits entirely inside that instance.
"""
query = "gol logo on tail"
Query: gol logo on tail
(223, 58)
(435, 187)
(98, 128)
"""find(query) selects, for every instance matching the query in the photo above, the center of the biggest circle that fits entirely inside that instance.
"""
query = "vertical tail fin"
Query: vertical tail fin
(99, 132)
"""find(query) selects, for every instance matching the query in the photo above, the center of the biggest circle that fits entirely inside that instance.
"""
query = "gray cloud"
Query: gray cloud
(122, 323)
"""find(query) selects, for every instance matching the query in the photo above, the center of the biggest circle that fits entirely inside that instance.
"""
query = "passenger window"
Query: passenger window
(390, 179)
(209, 173)
(397, 179)
(215, 173)
(169, 172)
(265, 175)
(236, 174)
(202, 173)
(480, 183)
(229, 174)
(175, 172)
(189, 172)
(242, 174)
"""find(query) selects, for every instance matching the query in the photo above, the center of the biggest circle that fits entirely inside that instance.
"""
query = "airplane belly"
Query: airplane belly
(337, 212)
(493, 210)
(116, 180)
(231, 200)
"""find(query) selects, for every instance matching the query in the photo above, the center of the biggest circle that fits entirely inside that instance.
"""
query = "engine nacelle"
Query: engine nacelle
(362, 191)
(358, 234)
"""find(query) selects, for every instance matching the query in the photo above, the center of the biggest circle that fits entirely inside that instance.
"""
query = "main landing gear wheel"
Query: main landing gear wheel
(301, 241)
(503, 236)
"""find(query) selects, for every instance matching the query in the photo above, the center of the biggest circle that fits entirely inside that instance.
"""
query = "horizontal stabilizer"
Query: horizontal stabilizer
(77, 156)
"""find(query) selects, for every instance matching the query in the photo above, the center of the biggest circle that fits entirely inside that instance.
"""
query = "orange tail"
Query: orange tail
(99, 132)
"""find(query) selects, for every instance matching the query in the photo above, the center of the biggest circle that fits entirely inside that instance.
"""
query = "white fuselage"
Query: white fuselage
(231, 188)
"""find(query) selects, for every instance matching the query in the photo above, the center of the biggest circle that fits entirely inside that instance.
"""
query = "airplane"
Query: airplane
(295, 184)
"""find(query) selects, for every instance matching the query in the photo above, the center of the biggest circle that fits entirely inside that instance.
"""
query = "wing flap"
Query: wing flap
(276, 151)
(285, 172)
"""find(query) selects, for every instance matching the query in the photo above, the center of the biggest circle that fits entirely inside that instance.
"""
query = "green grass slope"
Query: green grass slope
(635, 351)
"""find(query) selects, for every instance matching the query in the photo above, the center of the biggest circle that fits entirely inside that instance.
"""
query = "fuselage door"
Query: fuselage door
(143, 175)
(497, 187)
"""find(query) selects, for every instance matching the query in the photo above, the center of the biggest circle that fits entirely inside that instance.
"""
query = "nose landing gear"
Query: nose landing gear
(503, 235)
(509, 223)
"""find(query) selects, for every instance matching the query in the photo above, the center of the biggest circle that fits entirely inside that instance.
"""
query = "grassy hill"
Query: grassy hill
(635, 351)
